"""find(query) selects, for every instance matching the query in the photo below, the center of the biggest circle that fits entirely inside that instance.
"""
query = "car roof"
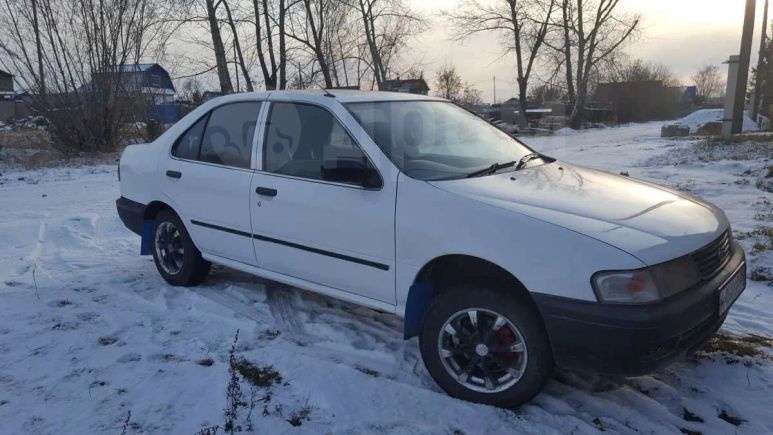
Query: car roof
(341, 95)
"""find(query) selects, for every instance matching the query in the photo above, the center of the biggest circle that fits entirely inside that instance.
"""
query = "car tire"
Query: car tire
(514, 359)
(177, 259)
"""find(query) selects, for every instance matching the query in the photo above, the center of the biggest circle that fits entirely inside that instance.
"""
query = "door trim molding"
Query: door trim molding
(331, 254)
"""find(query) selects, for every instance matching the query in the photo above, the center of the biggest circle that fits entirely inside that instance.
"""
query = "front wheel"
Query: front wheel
(486, 345)
(176, 257)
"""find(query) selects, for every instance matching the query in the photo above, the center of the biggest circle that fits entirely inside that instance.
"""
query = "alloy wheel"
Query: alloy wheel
(482, 350)
(169, 247)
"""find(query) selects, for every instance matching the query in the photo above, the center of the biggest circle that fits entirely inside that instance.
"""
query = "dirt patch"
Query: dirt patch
(751, 345)
(262, 377)
(761, 274)
(735, 421)
(205, 362)
(107, 341)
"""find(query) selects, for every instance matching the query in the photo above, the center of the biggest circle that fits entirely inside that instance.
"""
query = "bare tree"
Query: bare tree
(546, 93)
(223, 75)
(471, 95)
(522, 24)
(89, 50)
(387, 26)
(448, 84)
(588, 33)
(237, 46)
(709, 81)
(270, 19)
(638, 70)
(308, 28)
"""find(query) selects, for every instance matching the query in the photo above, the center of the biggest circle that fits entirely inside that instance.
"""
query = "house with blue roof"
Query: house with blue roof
(149, 79)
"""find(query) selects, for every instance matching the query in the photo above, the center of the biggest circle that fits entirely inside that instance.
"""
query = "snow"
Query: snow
(566, 131)
(699, 118)
(89, 331)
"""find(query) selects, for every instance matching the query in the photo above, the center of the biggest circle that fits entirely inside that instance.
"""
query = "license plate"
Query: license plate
(732, 289)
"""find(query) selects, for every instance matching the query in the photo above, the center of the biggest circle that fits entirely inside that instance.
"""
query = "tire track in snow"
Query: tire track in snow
(283, 310)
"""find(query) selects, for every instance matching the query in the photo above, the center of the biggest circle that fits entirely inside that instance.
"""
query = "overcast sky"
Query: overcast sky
(683, 34)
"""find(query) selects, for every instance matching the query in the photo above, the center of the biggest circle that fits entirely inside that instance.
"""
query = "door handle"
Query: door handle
(174, 174)
(266, 191)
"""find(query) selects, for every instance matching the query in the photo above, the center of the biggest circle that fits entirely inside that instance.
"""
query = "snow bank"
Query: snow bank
(699, 118)
(566, 131)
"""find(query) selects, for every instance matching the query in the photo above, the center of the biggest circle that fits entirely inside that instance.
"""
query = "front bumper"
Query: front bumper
(635, 339)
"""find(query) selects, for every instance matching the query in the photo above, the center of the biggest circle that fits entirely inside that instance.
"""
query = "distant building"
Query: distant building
(6, 85)
(149, 79)
(7, 95)
(208, 95)
(410, 86)
(637, 101)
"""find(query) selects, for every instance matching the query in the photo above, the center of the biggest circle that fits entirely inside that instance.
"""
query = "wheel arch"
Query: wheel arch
(148, 218)
(154, 207)
(440, 274)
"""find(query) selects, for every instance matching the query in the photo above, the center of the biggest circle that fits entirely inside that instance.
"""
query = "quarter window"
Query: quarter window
(304, 141)
(188, 145)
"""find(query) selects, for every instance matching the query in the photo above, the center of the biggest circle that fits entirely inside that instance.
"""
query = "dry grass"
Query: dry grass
(751, 345)
(32, 148)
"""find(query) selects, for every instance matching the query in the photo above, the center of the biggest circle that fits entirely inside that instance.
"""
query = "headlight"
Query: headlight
(626, 287)
(646, 285)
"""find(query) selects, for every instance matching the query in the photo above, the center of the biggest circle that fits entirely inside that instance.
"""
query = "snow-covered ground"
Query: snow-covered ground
(90, 332)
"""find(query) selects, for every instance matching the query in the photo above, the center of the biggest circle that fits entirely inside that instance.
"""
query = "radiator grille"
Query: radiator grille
(711, 258)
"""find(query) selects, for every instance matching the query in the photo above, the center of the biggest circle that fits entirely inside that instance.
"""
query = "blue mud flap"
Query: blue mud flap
(147, 237)
(419, 297)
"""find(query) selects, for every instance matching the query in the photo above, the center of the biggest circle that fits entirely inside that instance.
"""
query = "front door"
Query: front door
(337, 234)
(208, 178)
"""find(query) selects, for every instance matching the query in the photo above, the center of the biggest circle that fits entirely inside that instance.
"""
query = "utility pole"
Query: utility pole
(495, 89)
(236, 70)
(743, 67)
(757, 98)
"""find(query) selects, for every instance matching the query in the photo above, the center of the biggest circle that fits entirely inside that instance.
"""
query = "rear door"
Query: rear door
(340, 235)
(208, 176)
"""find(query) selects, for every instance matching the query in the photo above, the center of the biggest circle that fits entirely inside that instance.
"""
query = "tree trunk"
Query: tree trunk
(757, 100)
(282, 46)
(222, 63)
(368, 23)
(269, 78)
(238, 48)
(522, 88)
(39, 48)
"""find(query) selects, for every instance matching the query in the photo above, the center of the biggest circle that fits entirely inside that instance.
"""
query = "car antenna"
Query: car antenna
(326, 92)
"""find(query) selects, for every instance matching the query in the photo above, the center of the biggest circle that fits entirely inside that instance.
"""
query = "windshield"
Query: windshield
(435, 140)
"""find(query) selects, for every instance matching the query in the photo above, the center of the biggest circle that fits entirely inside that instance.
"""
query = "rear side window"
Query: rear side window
(301, 139)
(223, 137)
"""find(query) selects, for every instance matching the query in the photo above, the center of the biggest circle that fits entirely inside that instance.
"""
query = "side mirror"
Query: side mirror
(351, 171)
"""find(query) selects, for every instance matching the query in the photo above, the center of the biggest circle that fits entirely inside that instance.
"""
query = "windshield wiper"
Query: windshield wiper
(496, 167)
(526, 159)
(492, 169)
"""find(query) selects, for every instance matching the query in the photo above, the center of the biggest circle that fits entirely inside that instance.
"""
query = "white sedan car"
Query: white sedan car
(505, 262)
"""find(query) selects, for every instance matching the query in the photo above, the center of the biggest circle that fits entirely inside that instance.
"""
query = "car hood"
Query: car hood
(653, 223)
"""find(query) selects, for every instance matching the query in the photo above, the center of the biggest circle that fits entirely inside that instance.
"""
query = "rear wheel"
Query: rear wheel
(176, 257)
(486, 345)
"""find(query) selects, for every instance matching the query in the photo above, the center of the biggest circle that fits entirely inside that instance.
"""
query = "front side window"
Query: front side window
(435, 140)
(307, 141)
(223, 137)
